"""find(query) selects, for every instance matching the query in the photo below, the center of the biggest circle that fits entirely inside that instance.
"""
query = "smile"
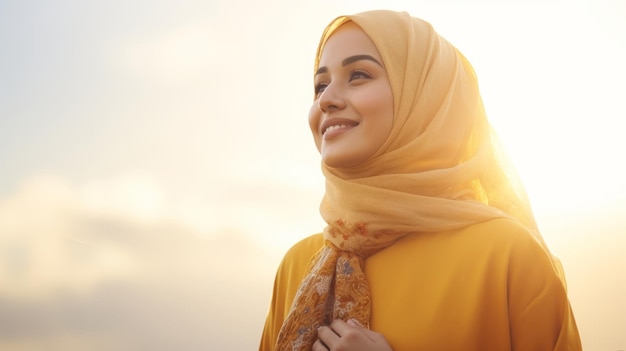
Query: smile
(337, 126)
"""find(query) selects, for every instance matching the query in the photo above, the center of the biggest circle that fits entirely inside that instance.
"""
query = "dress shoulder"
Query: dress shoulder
(299, 255)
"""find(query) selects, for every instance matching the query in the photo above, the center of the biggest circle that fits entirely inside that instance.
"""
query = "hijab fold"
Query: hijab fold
(440, 168)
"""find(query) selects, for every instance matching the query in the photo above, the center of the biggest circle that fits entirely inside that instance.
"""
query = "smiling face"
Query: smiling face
(352, 114)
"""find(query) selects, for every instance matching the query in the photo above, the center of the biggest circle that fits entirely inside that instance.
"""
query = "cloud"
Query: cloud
(42, 252)
(84, 269)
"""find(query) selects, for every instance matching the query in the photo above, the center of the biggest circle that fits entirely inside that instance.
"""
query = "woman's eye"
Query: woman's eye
(359, 75)
(354, 75)
(319, 88)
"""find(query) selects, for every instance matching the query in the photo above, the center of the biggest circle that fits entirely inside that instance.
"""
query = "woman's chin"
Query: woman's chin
(341, 159)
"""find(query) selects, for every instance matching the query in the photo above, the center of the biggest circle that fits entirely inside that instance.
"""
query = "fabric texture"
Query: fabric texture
(440, 169)
(485, 287)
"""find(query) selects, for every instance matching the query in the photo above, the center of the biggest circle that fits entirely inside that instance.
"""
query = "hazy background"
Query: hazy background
(155, 158)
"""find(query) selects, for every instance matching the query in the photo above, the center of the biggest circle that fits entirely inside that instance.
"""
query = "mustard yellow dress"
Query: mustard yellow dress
(490, 286)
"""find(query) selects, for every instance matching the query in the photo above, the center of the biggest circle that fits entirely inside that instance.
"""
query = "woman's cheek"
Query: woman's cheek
(314, 122)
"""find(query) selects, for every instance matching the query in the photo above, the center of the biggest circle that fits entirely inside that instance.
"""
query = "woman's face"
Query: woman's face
(353, 110)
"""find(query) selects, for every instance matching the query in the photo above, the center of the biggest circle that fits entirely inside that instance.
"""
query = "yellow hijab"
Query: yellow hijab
(439, 169)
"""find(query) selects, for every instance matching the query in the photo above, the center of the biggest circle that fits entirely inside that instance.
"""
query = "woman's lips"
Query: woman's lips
(336, 126)
(335, 130)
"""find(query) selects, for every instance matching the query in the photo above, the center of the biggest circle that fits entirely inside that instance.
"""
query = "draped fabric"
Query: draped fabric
(440, 168)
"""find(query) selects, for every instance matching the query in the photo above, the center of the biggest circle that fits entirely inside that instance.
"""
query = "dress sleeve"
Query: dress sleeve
(541, 317)
(273, 321)
(288, 276)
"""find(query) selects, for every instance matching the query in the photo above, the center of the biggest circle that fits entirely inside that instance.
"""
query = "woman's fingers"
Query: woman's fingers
(319, 346)
(350, 335)
(331, 335)
(340, 331)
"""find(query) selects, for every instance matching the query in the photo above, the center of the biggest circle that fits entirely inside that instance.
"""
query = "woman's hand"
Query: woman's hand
(349, 336)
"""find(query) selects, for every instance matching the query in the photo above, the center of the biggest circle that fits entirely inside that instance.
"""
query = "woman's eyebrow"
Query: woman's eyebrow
(355, 58)
(349, 60)
(321, 70)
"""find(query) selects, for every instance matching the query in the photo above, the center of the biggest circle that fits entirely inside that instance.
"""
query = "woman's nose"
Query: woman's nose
(331, 99)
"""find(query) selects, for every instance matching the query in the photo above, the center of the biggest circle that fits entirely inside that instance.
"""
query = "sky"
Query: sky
(156, 162)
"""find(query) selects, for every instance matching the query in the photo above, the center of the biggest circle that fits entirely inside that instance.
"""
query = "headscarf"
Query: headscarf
(440, 169)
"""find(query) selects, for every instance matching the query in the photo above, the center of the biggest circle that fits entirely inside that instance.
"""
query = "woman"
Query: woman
(430, 243)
